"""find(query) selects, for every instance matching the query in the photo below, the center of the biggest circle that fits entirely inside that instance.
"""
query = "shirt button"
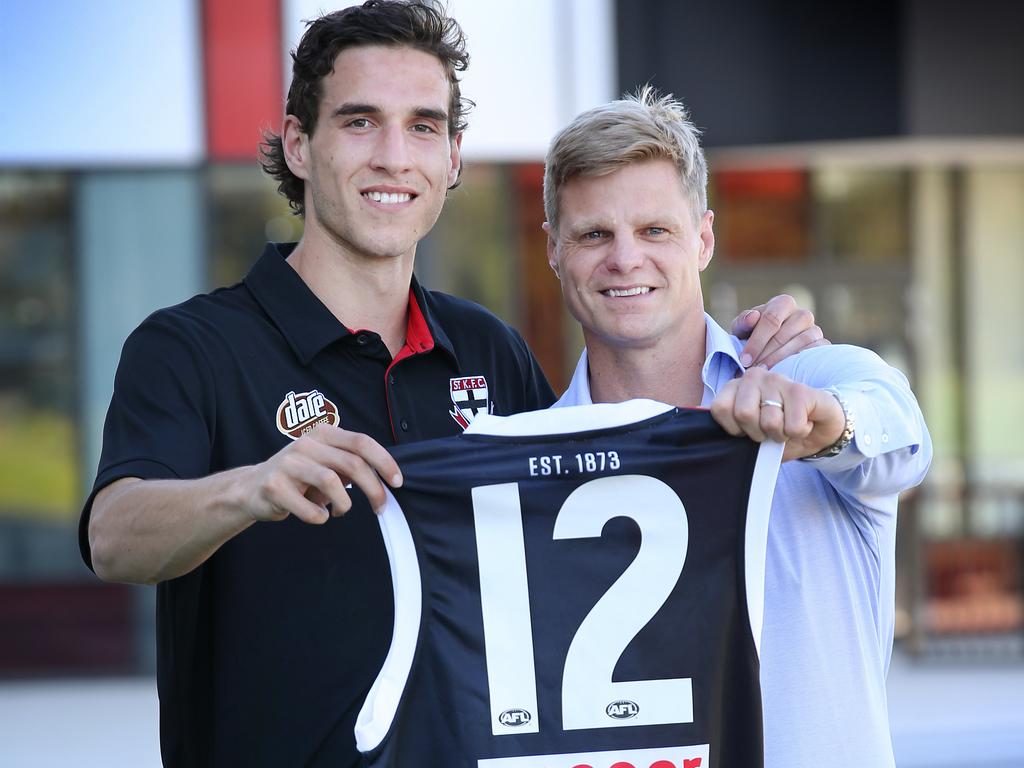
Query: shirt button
(362, 339)
(867, 439)
(405, 425)
(885, 438)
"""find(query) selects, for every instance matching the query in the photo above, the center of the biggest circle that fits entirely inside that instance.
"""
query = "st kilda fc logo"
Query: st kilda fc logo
(303, 411)
(469, 395)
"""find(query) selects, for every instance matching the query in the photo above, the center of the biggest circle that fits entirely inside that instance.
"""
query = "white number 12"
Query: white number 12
(624, 610)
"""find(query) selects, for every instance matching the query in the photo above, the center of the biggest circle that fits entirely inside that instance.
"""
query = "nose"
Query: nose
(391, 152)
(624, 254)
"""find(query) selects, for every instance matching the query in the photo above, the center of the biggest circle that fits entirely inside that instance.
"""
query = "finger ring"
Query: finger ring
(766, 401)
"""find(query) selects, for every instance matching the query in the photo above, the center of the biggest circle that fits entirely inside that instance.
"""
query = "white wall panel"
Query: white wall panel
(533, 65)
(104, 82)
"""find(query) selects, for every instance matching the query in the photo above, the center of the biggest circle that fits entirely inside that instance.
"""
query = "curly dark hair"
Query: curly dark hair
(419, 24)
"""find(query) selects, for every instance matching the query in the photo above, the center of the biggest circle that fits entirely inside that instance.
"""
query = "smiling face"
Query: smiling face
(380, 160)
(629, 251)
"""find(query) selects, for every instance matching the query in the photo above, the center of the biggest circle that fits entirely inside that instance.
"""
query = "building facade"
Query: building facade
(869, 161)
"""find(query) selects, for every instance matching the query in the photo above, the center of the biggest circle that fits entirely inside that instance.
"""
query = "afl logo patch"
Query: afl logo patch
(303, 411)
(514, 717)
(622, 710)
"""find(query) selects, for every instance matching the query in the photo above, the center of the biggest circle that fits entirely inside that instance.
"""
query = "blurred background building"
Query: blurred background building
(867, 158)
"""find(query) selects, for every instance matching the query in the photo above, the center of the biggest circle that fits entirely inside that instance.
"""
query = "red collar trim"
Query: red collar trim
(418, 338)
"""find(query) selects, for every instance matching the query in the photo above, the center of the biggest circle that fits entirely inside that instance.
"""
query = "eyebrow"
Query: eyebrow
(355, 109)
(428, 113)
(584, 228)
(431, 114)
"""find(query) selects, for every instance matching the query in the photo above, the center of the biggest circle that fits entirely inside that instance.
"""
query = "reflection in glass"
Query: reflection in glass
(39, 471)
(761, 215)
(862, 215)
(471, 251)
(245, 212)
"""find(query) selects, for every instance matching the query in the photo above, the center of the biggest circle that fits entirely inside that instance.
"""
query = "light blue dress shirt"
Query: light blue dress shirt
(831, 562)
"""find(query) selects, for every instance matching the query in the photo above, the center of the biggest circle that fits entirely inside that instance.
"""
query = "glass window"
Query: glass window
(993, 316)
(471, 252)
(52, 619)
(761, 215)
(246, 211)
(39, 472)
(836, 239)
(862, 215)
(974, 527)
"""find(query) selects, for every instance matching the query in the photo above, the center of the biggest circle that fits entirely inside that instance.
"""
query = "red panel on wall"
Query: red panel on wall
(242, 54)
(65, 628)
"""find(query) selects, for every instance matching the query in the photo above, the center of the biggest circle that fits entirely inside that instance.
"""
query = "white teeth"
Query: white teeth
(389, 198)
(616, 292)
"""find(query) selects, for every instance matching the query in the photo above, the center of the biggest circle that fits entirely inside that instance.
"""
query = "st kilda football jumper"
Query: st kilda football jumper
(580, 586)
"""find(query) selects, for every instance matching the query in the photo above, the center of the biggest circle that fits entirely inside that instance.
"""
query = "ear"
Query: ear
(552, 250)
(456, 159)
(295, 143)
(707, 239)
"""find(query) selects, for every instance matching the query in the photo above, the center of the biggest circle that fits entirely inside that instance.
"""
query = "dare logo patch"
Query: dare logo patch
(301, 412)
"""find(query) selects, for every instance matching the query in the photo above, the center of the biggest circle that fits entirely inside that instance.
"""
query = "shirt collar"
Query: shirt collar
(578, 391)
(722, 360)
(722, 363)
(307, 325)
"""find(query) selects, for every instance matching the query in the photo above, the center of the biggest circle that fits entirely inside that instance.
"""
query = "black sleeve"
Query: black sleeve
(160, 421)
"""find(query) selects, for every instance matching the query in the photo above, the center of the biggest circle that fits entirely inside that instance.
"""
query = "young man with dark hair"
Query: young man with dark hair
(418, 26)
(259, 402)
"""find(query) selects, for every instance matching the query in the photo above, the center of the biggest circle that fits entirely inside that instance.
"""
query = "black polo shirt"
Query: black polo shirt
(266, 651)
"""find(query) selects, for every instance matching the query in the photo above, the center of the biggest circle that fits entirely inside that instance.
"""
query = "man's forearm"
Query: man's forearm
(145, 531)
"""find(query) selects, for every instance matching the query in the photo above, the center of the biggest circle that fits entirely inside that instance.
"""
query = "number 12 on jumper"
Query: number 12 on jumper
(588, 691)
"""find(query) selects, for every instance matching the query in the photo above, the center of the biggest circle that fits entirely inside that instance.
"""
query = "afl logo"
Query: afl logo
(514, 717)
(622, 710)
(301, 412)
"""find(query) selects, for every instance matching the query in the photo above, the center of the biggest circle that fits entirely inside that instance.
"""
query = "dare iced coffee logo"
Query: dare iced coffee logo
(301, 412)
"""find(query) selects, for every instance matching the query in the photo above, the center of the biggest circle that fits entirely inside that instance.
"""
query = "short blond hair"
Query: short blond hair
(641, 126)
